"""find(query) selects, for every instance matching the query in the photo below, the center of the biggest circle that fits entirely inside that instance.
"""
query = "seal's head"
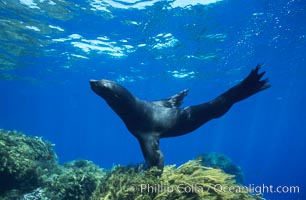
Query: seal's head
(113, 93)
(104, 88)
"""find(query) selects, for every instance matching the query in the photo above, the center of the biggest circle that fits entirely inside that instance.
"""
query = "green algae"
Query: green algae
(29, 170)
(75, 180)
(189, 181)
(23, 161)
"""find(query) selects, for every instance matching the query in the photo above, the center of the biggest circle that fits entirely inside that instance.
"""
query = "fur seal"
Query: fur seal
(149, 121)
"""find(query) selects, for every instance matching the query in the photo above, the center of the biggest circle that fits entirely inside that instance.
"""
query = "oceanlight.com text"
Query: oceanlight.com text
(251, 188)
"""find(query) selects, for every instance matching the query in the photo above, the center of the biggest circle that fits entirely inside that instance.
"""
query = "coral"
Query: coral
(76, 180)
(220, 161)
(189, 181)
(23, 160)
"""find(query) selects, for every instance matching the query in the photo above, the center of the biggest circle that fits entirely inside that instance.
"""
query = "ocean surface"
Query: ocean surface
(50, 49)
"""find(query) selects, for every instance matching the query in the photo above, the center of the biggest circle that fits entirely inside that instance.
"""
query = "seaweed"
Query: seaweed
(23, 161)
(76, 180)
(29, 171)
(121, 182)
(189, 181)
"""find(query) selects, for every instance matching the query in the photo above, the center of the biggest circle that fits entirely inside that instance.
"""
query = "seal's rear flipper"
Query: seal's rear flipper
(249, 86)
(149, 144)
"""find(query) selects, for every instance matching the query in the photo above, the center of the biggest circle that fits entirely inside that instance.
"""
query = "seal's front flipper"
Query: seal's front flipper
(174, 101)
(150, 149)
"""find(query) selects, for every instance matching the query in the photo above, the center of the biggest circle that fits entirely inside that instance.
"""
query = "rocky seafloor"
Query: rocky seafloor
(29, 170)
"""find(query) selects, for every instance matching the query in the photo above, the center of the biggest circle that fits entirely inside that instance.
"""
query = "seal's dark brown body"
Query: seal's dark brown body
(150, 121)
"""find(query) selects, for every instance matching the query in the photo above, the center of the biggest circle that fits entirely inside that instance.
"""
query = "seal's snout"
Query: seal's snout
(92, 81)
(103, 87)
(100, 83)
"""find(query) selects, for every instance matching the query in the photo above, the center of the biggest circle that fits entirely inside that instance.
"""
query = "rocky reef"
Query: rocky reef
(29, 171)
(220, 161)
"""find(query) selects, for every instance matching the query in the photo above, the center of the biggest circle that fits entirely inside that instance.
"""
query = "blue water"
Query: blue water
(50, 49)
